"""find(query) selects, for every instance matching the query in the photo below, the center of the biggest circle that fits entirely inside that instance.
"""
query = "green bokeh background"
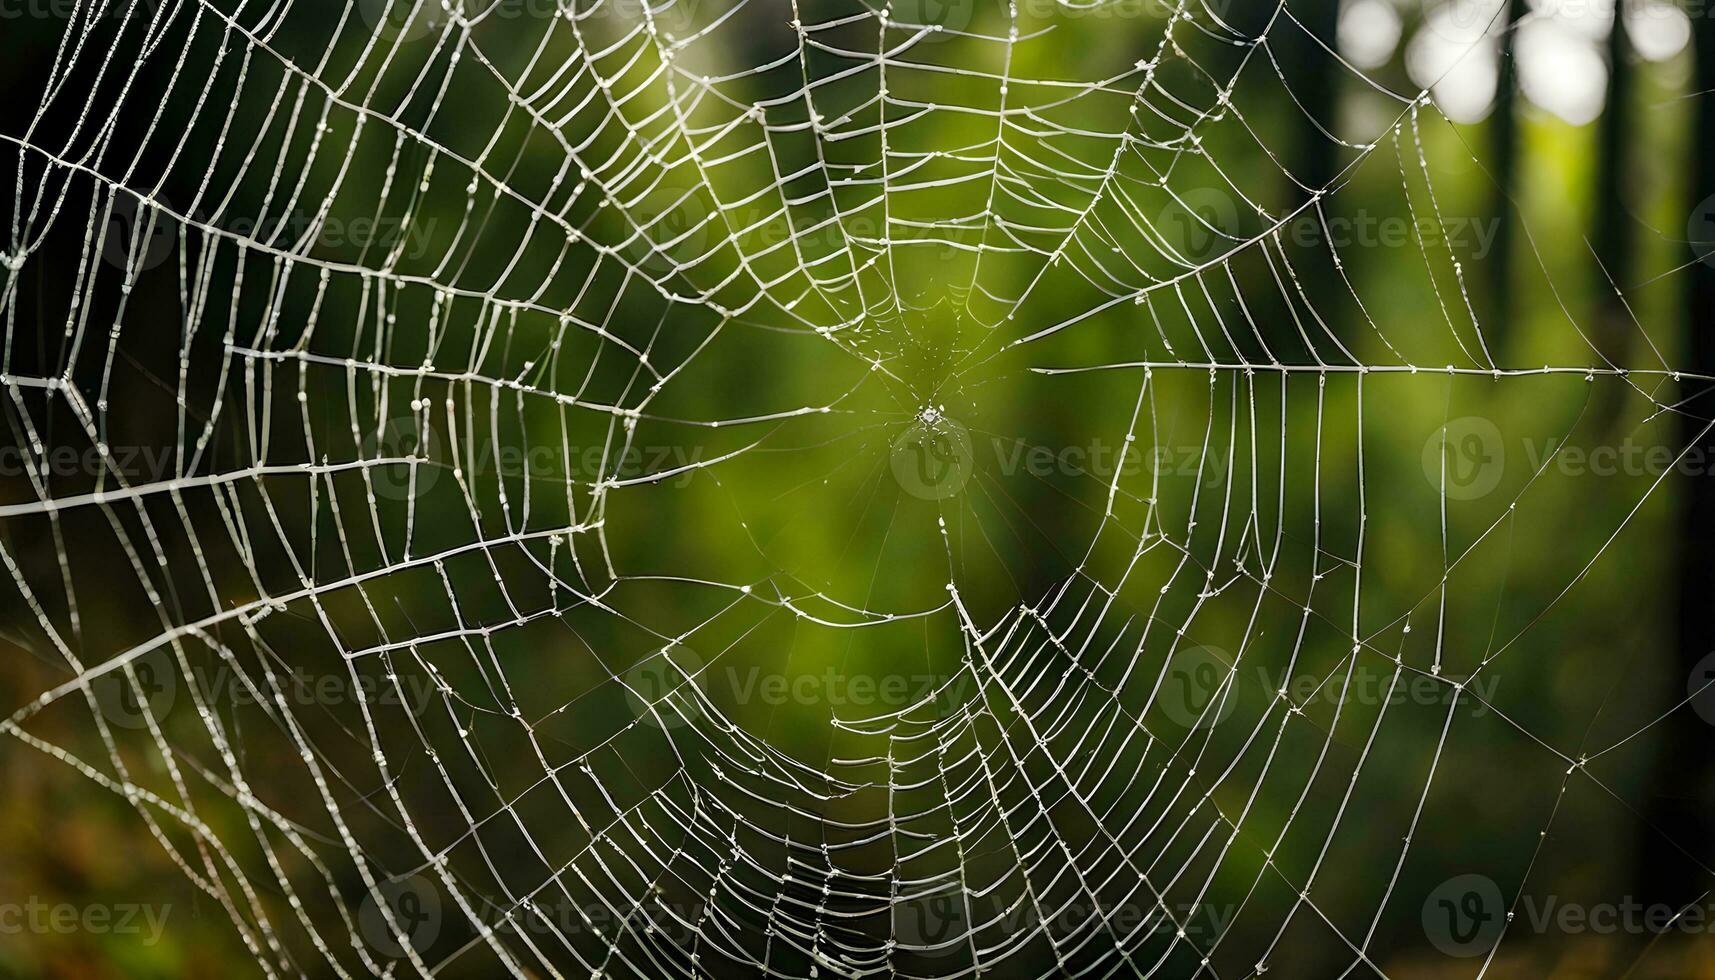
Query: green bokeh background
(1564, 579)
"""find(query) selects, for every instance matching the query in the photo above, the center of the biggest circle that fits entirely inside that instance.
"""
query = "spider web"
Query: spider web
(512, 378)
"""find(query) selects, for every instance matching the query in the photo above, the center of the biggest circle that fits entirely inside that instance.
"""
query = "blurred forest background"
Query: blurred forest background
(1571, 155)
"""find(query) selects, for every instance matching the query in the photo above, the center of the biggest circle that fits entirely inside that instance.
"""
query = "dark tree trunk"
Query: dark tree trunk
(1679, 805)
(1503, 150)
(1614, 236)
(1314, 159)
